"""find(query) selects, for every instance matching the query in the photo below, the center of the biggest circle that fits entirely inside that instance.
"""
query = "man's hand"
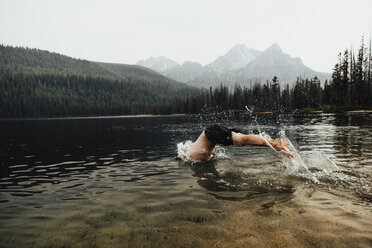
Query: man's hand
(282, 146)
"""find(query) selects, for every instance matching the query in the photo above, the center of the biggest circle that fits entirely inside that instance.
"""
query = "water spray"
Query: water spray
(266, 138)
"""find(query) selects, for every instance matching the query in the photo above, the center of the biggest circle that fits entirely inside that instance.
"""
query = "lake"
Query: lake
(118, 182)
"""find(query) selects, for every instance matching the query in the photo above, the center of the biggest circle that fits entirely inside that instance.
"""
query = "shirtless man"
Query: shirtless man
(204, 146)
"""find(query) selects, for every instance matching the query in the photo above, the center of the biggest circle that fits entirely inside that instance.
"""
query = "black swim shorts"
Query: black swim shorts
(219, 134)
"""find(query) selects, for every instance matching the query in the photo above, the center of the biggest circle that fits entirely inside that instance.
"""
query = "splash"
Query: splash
(296, 162)
(182, 148)
(311, 165)
(254, 117)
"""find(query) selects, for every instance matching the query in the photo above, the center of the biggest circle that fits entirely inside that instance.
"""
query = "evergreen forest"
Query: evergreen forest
(36, 83)
(349, 89)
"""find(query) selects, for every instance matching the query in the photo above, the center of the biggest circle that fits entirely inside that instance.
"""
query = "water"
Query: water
(117, 182)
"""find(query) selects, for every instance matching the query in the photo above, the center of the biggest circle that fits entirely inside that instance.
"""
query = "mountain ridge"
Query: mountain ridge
(237, 57)
(242, 65)
(159, 64)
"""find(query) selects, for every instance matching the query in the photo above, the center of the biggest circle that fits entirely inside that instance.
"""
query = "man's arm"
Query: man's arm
(254, 139)
(247, 139)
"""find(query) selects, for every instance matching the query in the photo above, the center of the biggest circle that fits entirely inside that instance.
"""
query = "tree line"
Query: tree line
(349, 88)
(52, 95)
(35, 83)
(29, 88)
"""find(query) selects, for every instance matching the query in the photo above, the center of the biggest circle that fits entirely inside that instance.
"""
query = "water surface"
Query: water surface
(117, 182)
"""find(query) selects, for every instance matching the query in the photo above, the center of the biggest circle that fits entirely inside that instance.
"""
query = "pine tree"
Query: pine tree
(359, 82)
(337, 83)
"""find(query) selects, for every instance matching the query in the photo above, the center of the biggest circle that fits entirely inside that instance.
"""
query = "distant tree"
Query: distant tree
(275, 92)
(337, 83)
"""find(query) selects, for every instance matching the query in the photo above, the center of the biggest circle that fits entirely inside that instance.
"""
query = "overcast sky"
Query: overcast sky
(196, 30)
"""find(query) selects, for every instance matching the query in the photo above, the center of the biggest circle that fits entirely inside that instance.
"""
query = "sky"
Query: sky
(191, 30)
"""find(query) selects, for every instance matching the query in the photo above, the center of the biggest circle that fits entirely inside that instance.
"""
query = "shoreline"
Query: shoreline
(360, 111)
(306, 111)
(86, 117)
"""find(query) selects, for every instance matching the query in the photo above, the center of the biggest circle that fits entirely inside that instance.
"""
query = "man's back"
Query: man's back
(201, 149)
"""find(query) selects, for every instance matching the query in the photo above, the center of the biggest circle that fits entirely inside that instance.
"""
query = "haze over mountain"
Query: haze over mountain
(185, 72)
(159, 64)
(239, 65)
(237, 57)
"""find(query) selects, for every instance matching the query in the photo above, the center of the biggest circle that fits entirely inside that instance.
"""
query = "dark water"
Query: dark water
(117, 182)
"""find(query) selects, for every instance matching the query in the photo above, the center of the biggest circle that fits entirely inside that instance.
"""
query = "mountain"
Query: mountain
(37, 83)
(243, 65)
(237, 57)
(185, 72)
(148, 78)
(273, 62)
(159, 64)
(39, 61)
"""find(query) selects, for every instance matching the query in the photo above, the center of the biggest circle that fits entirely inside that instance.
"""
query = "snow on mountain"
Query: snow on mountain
(237, 57)
(274, 62)
(185, 72)
(239, 65)
(159, 64)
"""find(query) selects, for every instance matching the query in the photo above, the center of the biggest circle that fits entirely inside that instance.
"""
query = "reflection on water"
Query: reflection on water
(233, 185)
(118, 182)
